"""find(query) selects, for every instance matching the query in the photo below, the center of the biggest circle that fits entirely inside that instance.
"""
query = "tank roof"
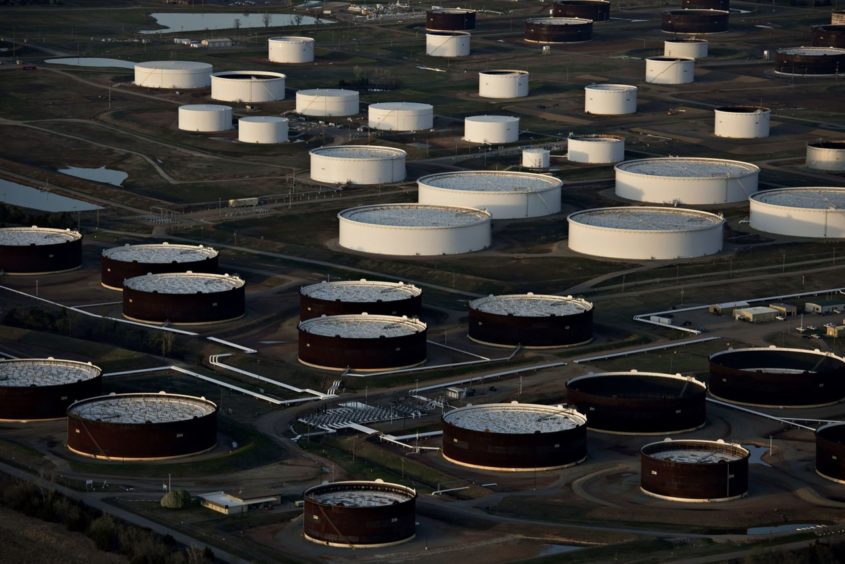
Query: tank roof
(415, 215)
(26, 236)
(292, 39)
(263, 119)
(183, 283)
(531, 305)
(685, 40)
(599, 138)
(688, 451)
(491, 181)
(636, 375)
(688, 167)
(612, 87)
(362, 326)
(808, 197)
(354, 494)
(560, 21)
(25, 372)
(174, 65)
(359, 152)
(647, 218)
(339, 92)
(355, 291)
(776, 350)
(742, 109)
(515, 418)
(452, 11)
(204, 108)
(160, 253)
(503, 71)
(812, 51)
(832, 144)
(251, 74)
(140, 408)
(492, 119)
(401, 106)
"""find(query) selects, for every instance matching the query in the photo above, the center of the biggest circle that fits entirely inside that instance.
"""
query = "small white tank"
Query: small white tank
(685, 48)
(327, 102)
(503, 83)
(610, 99)
(400, 116)
(491, 129)
(536, 159)
(669, 70)
(205, 118)
(596, 149)
(447, 43)
(741, 122)
(826, 155)
(291, 49)
(262, 129)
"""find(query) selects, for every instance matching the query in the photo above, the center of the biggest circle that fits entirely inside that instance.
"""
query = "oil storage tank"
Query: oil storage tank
(558, 30)
(669, 70)
(506, 195)
(183, 297)
(598, 148)
(639, 402)
(205, 118)
(347, 297)
(610, 99)
(327, 102)
(816, 61)
(536, 159)
(291, 49)
(141, 426)
(826, 155)
(596, 10)
(414, 229)
(531, 320)
(829, 36)
(447, 43)
(806, 211)
(128, 261)
(248, 87)
(449, 19)
(503, 83)
(830, 451)
(359, 514)
(694, 471)
(39, 250)
(685, 47)
(263, 129)
(690, 181)
(514, 437)
(173, 74)
(645, 233)
(695, 21)
(42, 388)
(741, 122)
(491, 129)
(777, 376)
(362, 342)
(400, 116)
(357, 164)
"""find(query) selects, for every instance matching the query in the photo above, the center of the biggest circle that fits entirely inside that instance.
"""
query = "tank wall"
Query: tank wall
(644, 245)
(595, 152)
(694, 481)
(362, 354)
(491, 132)
(536, 159)
(669, 72)
(400, 120)
(807, 64)
(36, 259)
(447, 45)
(334, 170)
(45, 402)
(696, 22)
(502, 85)
(326, 106)
(827, 36)
(538, 32)
(183, 308)
(409, 242)
(610, 102)
(262, 132)
(511, 330)
(797, 222)
(165, 78)
(359, 525)
(837, 17)
(735, 125)
(310, 307)
(767, 388)
(686, 49)
(501, 205)
(687, 191)
(821, 158)
(205, 121)
(114, 272)
(250, 91)
(596, 11)
(830, 453)
(724, 5)
(449, 20)
(279, 52)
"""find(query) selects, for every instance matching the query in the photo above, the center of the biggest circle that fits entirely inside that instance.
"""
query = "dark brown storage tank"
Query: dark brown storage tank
(694, 471)
(558, 30)
(514, 437)
(724, 5)
(184, 297)
(348, 297)
(43, 388)
(639, 402)
(450, 19)
(359, 514)
(695, 21)
(773, 376)
(142, 426)
(830, 452)
(119, 263)
(39, 250)
(825, 61)
(596, 10)
(531, 320)
(829, 36)
(362, 342)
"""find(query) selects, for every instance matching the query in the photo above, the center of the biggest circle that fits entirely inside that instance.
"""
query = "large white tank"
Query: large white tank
(537, 159)
(686, 180)
(506, 195)
(447, 43)
(205, 118)
(610, 99)
(685, 48)
(491, 129)
(741, 122)
(596, 149)
(327, 102)
(263, 129)
(669, 70)
(645, 233)
(503, 83)
(414, 229)
(807, 211)
(826, 155)
(400, 116)
(172, 74)
(357, 164)
(290, 49)
(248, 87)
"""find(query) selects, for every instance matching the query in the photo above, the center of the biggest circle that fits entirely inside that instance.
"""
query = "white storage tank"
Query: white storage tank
(491, 129)
(686, 180)
(248, 87)
(290, 49)
(669, 70)
(610, 99)
(206, 118)
(506, 195)
(357, 164)
(826, 155)
(685, 48)
(807, 211)
(645, 233)
(596, 149)
(400, 116)
(263, 129)
(536, 159)
(447, 43)
(414, 229)
(503, 83)
(327, 102)
(172, 74)
(741, 122)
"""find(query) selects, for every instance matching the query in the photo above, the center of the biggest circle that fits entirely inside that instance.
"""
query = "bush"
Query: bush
(103, 532)
(176, 499)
